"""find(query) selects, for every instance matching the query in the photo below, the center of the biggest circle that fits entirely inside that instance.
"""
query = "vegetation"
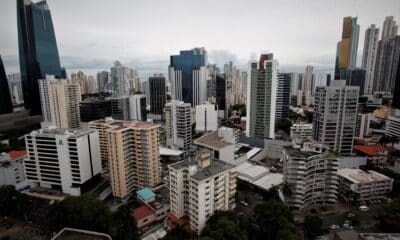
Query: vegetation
(309, 116)
(178, 233)
(283, 124)
(223, 225)
(312, 226)
(89, 213)
(13, 203)
(390, 221)
(273, 220)
(239, 107)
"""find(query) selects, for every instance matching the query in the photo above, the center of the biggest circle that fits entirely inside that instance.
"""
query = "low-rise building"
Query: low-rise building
(12, 169)
(310, 173)
(301, 130)
(368, 185)
(201, 186)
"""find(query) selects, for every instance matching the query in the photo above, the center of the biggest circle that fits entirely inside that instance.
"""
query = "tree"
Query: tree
(312, 226)
(13, 203)
(273, 220)
(223, 225)
(384, 140)
(283, 124)
(287, 189)
(309, 116)
(123, 225)
(177, 233)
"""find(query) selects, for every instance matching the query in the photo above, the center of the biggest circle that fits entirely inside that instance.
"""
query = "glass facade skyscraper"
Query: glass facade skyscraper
(38, 53)
(5, 98)
(188, 76)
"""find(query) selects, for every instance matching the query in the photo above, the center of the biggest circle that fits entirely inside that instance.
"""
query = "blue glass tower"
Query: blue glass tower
(186, 62)
(5, 97)
(38, 53)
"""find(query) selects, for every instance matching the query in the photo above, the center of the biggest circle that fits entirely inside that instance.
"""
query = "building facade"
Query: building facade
(283, 95)
(301, 130)
(178, 124)
(206, 117)
(38, 52)
(369, 56)
(137, 107)
(94, 109)
(200, 189)
(335, 116)
(261, 97)
(62, 159)
(158, 93)
(188, 76)
(5, 97)
(311, 174)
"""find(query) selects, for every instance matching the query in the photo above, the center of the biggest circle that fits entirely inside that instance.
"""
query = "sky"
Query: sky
(142, 34)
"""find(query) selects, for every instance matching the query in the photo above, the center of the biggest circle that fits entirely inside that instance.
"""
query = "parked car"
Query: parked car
(334, 227)
(363, 208)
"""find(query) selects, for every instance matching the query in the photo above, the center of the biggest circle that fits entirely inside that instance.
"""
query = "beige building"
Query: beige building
(133, 154)
(200, 187)
(60, 101)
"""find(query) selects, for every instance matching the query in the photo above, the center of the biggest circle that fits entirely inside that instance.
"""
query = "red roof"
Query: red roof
(373, 150)
(142, 212)
(14, 155)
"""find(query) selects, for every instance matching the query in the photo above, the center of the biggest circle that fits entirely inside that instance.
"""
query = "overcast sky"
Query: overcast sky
(142, 34)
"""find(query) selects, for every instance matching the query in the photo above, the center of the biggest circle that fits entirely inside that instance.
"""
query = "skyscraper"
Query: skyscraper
(261, 98)
(387, 56)
(120, 79)
(158, 93)
(102, 80)
(308, 84)
(347, 48)
(38, 52)
(283, 95)
(45, 98)
(396, 92)
(335, 116)
(369, 57)
(357, 78)
(188, 76)
(137, 107)
(178, 125)
(5, 97)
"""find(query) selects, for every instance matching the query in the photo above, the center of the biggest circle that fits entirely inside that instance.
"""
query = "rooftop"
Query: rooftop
(145, 194)
(14, 155)
(380, 236)
(142, 212)
(73, 234)
(52, 131)
(359, 176)
(169, 152)
(374, 150)
(258, 175)
(212, 140)
(199, 173)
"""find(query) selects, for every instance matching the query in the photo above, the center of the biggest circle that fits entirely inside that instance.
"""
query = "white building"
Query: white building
(311, 174)
(206, 117)
(63, 159)
(362, 125)
(198, 189)
(335, 115)
(44, 96)
(369, 185)
(121, 79)
(301, 130)
(12, 169)
(393, 123)
(369, 56)
(308, 82)
(137, 107)
(178, 126)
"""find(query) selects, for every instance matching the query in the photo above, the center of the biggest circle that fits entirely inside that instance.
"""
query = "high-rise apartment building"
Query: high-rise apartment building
(396, 95)
(335, 116)
(308, 84)
(5, 97)
(283, 95)
(178, 124)
(120, 107)
(311, 173)
(158, 93)
(347, 48)
(188, 76)
(103, 78)
(137, 107)
(261, 97)
(294, 84)
(38, 53)
(81, 79)
(357, 77)
(369, 57)
(220, 95)
(362, 125)
(200, 187)
(393, 124)
(15, 84)
(133, 154)
(206, 117)
(121, 79)
(387, 57)
(62, 159)
(60, 100)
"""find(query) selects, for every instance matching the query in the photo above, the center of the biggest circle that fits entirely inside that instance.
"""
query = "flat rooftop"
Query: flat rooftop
(293, 152)
(359, 176)
(258, 175)
(200, 173)
(380, 236)
(212, 140)
(164, 151)
(74, 234)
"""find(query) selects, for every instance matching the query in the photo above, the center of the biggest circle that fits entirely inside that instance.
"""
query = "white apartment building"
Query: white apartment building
(178, 125)
(362, 125)
(206, 117)
(62, 159)
(44, 96)
(12, 169)
(201, 186)
(311, 174)
(369, 185)
(335, 116)
(393, 123)
(301, 130)
(137, 107)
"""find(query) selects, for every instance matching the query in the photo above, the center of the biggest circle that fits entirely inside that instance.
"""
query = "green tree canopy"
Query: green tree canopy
(312, 226)
(12, 202)
(223, 225)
